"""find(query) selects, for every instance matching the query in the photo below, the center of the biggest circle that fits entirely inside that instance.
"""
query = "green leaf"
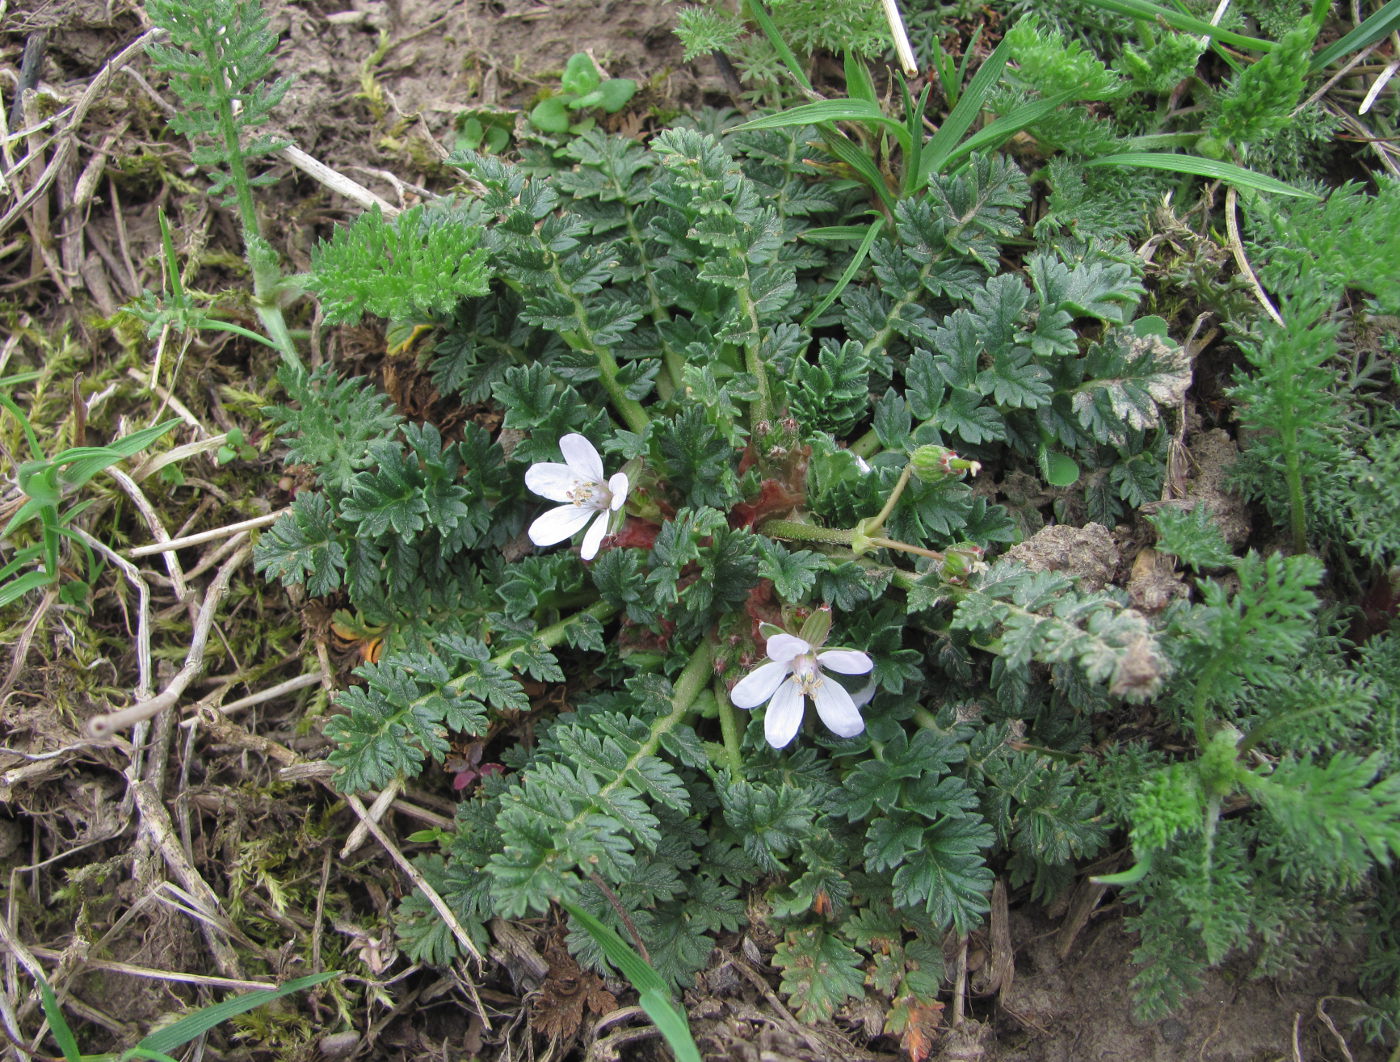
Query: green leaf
(551, 115)
(820, 972)
(655, 994)
(846, 110)
(940, 146)
(581, 75)
(1150, 13)
(615, 93)
(58, 1024)
(204, 1019)
(1380, 23)
(1202, 167)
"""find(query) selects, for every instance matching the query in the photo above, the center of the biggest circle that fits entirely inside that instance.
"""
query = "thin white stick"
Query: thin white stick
(1375, 90)
(902, 48)
(206, 536)
(1232, 227)
(101, 727)
(416, 876)
(263, 696)
(336, 181)
(377, 811)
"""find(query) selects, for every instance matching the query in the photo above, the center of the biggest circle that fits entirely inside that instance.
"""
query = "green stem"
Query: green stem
(1293, 473)
(584, 339)
(1203, 690)
(762, 410)
(796, 531)
(730, 728)
(689, 683)
(870, 527)
(555, 633)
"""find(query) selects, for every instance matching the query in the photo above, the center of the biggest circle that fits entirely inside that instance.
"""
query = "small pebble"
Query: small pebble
(1173, 1031)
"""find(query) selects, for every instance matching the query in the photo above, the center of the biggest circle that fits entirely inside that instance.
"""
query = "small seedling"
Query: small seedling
(583, 88)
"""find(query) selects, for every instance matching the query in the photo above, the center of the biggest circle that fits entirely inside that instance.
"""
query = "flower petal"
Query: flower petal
(582, 457)
(551, 480)
(559, 524)
(618, 486)
(845, 661)
(758, 685)
(837, 710)
(784, 647)
(784, 716)
(594, 538)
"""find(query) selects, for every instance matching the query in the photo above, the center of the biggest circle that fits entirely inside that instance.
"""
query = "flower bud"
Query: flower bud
(962, 560)
(932, 464)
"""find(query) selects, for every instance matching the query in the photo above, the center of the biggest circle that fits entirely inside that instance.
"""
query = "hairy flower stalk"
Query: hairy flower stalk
(585, 494)
(794, 672)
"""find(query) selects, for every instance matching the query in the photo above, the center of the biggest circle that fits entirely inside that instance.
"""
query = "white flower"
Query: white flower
(794, 673)
(579, 485)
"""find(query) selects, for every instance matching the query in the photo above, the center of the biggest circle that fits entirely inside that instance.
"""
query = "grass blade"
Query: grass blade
(1380, 24)
(201, 1021)
(1151, 12)
(1202, 167)
(852, 267)
(765, 22)
(845, 110)
(655, 995)
(997, 132)
(961, 117)
(58, 1024)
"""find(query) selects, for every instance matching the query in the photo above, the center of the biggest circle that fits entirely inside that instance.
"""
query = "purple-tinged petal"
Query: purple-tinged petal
(618, 486)
(559, 524)
(845, 661)
(784, 647)
(784, 716)
(837, 710)
(758, 685)
(582, 457)
(551, 480)
(594, 538)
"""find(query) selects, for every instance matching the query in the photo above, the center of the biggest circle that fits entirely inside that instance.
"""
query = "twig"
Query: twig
(143, 610)
(1326, 1020)
(960, 984)
(756, 979)
(26, 638)
(291, 685)
(231, 983)
(430, 893)
(169, 544)
(377, 811)
(336, 181)
(104, 726)
(67, 144)
(1232, 227)
(621, 913)
(155, 825)
(157, 530)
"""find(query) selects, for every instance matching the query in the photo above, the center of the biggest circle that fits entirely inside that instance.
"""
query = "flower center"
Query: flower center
(587, 494)
(807, 674)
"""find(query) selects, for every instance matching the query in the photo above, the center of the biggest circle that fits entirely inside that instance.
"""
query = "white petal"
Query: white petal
(551, 480)
(582, 457)
(845, 661)
(758, 685)
(865, 694)
(559, 524)
(618, 485)
(784, 647)
(594, 538)
(784, 715)
(837, 710)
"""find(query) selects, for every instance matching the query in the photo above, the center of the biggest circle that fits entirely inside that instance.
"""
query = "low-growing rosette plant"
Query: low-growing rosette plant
(778, 488)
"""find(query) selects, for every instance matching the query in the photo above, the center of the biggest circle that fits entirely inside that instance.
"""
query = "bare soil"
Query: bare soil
(160, 855)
